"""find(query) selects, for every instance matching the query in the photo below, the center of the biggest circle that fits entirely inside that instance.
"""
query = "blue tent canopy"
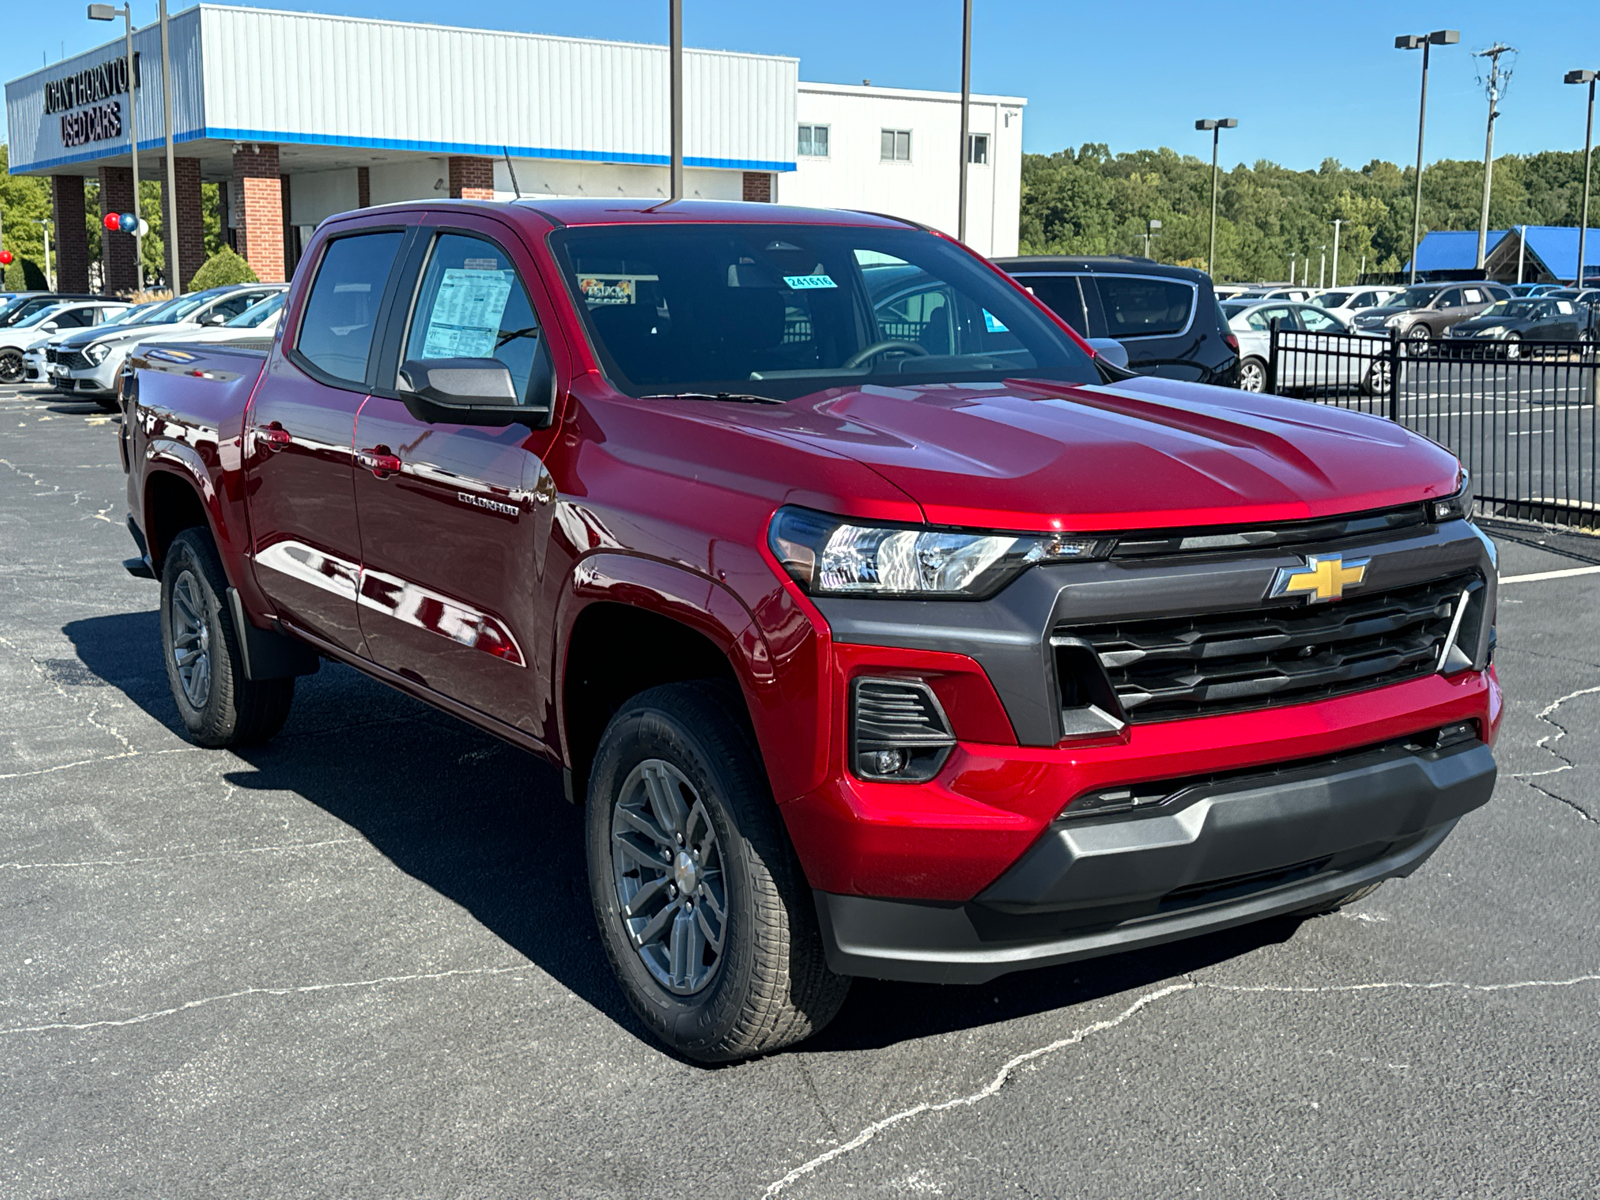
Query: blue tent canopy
(1451, 250)
(1555, 247)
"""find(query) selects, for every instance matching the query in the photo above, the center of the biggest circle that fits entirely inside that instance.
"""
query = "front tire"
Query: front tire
(218, 705)
(1252, 375)
(11, 366)
(703, 908)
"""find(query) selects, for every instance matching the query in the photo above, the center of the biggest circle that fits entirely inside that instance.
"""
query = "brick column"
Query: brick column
(259, 221)
(363, 188)
(117, 250)
(191, 225)
(758, 186)
(71, 235)
(471, 178)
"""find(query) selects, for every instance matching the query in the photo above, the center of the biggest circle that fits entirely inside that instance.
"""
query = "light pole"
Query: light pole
(1337, 221)
(1292, 256)
(105, 12)
(49, 281)
(1214, 128)
(1150, 227)
(1522, 249)
(1423, 42)
(675, 50)
(172, 163)
(1588, 77)
(966, 103)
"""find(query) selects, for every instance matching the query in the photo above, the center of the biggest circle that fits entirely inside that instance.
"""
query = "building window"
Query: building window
(896, 145)
(814, 141)
(978, 149)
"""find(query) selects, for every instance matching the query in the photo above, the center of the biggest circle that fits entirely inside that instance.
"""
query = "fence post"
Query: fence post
(1272, 358)
(1394, 375)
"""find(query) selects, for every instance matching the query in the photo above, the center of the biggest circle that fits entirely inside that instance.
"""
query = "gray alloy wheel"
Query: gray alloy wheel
(666, 864)
(1419, 333)
(1376, 382)
(191, 639)
(1252, 375)
(1513, 345)
(10, 366)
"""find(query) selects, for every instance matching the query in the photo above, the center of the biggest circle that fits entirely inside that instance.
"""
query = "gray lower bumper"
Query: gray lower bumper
(1238, 851)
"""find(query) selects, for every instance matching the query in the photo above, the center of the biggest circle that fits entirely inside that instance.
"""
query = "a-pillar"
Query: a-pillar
(259, 220)
(118, 251)
(72, 235)
(471, 178)
(191, 222)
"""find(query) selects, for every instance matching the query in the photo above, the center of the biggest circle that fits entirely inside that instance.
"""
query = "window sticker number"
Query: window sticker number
(801, 283)
(465, 321)
(992, 322)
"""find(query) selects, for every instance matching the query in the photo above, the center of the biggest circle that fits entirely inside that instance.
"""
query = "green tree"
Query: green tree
(223, 267)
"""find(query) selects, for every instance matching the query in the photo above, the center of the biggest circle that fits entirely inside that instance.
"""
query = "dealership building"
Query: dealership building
(303, 115)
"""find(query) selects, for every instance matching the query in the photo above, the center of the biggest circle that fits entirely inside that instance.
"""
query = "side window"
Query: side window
(73, 318)
(1565, 308)
(1145, 306)
(342, 312)
(1449, 298)
(1472, 296)
(472, 304)
(1060, 294)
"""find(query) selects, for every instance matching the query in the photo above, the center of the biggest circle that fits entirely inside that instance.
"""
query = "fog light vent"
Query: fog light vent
(898, 731)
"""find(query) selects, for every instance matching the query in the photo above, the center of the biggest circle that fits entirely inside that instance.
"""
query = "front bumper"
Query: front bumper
(100, 380)
(1230, 852)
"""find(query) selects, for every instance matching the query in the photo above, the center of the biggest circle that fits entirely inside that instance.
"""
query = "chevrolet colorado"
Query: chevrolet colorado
(881, 628)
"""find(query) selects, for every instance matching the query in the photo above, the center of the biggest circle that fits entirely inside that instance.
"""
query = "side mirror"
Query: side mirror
(214, 318)
(1111, 350)
(49, 327)
(477, 391)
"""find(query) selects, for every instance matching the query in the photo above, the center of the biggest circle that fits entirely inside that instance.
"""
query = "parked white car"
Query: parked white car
(1345, 303)
(36, 330)
(1328, 357)
(259, 322)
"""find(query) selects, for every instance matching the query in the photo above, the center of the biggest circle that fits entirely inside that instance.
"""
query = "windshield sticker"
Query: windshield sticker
(992, 323)
(465, 322)
(609, 289)
(801, 283)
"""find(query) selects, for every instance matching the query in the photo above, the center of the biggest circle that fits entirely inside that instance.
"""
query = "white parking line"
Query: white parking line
(1567, 574)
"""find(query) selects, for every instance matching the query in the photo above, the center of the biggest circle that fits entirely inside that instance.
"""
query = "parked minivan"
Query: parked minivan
(1166, 317)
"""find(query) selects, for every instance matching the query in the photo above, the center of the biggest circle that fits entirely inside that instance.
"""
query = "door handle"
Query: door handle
(275, 436)
(379, 460)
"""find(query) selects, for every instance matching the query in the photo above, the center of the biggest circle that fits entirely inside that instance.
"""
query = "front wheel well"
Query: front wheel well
(617, 651)
(171, 505)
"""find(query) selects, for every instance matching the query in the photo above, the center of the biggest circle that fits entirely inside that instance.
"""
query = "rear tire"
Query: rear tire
(200, 645)
(1252, 375)
(11, 366)
(705, 913)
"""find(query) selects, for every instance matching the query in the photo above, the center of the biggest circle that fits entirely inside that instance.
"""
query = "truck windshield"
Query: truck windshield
(784, 310)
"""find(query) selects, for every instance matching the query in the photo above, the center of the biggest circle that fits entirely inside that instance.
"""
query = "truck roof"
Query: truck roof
(648, 211)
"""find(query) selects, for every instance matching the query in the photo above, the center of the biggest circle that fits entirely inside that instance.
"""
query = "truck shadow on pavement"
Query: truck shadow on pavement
(484, 825)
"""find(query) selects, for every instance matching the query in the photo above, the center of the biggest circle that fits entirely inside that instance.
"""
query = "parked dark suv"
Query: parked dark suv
(1167, 317)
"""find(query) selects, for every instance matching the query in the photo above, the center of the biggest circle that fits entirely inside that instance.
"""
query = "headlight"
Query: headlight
(1395, 321)
(1457, 507)
(831, 556)
(97, 353)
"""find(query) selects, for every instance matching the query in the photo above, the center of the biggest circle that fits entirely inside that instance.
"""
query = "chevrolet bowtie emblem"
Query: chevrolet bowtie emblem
(1322, 579)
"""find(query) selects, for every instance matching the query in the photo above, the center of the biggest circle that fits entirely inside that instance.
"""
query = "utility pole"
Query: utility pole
(675, 40)
(966, 104)
(1494, 83)
(1337, 221)
(1423, 42)
(1215, 128)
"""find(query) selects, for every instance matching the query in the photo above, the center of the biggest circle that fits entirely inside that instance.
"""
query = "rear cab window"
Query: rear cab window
(341, 313)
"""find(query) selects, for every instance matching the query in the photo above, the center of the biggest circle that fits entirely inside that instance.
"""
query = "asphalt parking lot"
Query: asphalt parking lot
(359, 961)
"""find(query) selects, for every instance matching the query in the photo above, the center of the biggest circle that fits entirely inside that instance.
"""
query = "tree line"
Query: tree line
(1091, 201)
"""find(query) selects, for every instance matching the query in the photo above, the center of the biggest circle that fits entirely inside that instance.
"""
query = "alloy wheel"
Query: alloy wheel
(1252, 377)
(10, 367)
(191, 640)
(667, 867)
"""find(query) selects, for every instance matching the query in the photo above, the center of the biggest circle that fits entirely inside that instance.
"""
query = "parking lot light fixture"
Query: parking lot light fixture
(1423, 42)
(1215, 128)
(105, 12)
(1337, 221)
(1150, 227)
(1588, 77)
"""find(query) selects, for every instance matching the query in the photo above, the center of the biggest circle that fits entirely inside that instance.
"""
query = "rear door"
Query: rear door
(1154, 317)
(300, 436)
(450, 514)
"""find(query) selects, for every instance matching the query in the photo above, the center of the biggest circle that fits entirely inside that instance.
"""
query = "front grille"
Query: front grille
(72, 360)
(1175, 667)
(49, 354)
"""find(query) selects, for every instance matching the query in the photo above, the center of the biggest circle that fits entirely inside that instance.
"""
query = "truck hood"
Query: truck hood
(1140, 454)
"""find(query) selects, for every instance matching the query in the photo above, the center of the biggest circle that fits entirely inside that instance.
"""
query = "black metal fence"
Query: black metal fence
(1520, 415)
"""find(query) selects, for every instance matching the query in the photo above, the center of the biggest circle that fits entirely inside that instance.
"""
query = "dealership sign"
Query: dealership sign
(89, 90)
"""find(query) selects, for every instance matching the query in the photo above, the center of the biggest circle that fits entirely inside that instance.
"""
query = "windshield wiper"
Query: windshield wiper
(508, 335)
(739, 397)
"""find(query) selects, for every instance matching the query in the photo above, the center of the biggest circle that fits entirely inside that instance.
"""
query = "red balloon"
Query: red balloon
(5, 258)
(111, 222)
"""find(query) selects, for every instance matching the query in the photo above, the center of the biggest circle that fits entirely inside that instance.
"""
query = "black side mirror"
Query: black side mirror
(477, 391)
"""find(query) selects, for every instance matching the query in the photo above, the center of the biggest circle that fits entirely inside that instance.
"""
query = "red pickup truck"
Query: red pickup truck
(881, 626)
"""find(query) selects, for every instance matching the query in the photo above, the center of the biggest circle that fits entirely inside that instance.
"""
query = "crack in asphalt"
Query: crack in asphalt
(1003, 1075)
(1548, 743)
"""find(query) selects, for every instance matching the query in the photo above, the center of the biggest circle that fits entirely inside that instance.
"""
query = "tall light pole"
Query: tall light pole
(49, 280)
(105, 12)
(675, 50)
(1337, 221)
(1588, 77)
(1494, 84)
(1150, 227)
(1322, 269)
(172, 168)
(1423, 42)
(1214, 128)
(966, 103)
(1292, 256)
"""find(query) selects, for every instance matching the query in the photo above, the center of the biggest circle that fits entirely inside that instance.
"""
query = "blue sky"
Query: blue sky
(1306, 81)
